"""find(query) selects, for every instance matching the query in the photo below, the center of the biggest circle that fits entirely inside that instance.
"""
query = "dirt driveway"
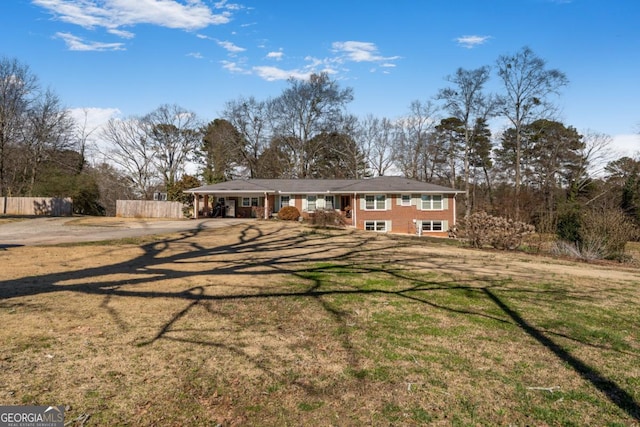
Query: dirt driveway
(45, 231)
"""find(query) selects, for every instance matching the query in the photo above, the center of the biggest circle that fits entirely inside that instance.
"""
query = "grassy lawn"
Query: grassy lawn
(273, 324)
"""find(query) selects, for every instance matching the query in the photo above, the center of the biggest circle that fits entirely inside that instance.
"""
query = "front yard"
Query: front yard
(272, 323)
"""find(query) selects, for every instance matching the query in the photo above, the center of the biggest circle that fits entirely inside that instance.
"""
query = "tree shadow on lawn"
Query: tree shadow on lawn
(298, 255)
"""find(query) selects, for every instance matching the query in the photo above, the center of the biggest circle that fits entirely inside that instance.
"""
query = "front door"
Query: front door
(345, 205)
(230, 208)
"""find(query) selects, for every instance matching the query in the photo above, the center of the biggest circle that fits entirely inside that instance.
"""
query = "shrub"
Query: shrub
(589, 252)
(328, 218)
(483, 229)
(289, 213)
(595, 234)
(568, 227)
(607, 229)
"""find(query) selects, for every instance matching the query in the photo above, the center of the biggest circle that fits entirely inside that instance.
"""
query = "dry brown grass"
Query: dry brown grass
(277, 324)
(7, 219)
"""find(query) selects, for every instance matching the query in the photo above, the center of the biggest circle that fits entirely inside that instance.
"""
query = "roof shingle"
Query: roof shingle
(381, 184)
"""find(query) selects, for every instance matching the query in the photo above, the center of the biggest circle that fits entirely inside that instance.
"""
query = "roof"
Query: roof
(381, 184)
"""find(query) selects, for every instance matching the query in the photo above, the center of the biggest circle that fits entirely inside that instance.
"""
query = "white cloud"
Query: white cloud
(626, 145)
(234, 67)
(196, 55)
(95, 117)
(360, 51)
(224, 4)
(92, 121)
(314, 62)
(230, 47)
(470, 42)
(273, 73)
(113, 15)
(78, 44)
(122, 33)
(275, 55)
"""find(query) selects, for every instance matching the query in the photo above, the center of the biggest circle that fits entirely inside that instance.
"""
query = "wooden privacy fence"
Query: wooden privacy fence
(148, 209)
(52, 206)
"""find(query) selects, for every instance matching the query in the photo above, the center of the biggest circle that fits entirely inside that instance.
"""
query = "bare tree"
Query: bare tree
(47, 129)
(596, 151)
(594, 157)
(251, 120)
(133, 153)
(413, 142)
(83, 135)
(528, 84)
(467, 103)
(375, 138)
(18, 89)
(113, 185)
(174, 135)
(305, 110)
(337, 154)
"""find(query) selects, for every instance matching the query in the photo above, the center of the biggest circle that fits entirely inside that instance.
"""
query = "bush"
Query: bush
(328, 218)
(289, 213)
(483, 229)
(589, 252)
(568, 227)
(607, 229)
(595, 234)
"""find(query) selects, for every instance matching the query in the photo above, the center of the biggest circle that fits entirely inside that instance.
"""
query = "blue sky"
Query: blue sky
(127, 57)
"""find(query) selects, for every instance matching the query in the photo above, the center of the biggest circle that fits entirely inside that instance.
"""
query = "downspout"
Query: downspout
(454, 210)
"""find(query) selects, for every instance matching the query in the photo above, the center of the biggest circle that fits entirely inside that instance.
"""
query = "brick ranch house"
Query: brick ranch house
(384, 204)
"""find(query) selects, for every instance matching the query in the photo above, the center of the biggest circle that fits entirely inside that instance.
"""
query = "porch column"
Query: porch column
(196, 205)
(266, 206)
(354, 207)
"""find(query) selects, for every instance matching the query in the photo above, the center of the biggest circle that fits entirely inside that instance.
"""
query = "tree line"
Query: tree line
(535, 168)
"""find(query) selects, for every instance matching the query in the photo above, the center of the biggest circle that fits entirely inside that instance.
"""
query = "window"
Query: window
(249, 201)
(376, 202)
(431, 202)
(328, 202)
(311, 203)
(431, 225)
(284, 201)
(375, 225)
(406, 200)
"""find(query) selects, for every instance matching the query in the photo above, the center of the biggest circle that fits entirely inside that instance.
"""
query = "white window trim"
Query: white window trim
(287, 204)
(247, 202)
(315, 207)
(333, 201)
(443, 225)
(375, 222)
(430, 207)
(402, 200)
(375, 202)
